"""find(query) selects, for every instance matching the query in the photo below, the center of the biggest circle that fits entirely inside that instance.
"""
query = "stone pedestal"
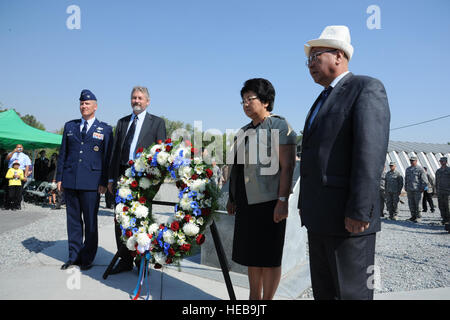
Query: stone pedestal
(295, 264)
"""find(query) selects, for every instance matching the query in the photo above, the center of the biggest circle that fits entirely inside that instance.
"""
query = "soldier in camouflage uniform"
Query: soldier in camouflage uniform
(415, 183)
(393, 188)
(443, 189)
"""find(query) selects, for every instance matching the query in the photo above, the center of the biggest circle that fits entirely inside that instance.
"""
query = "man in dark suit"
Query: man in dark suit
(41, 167)
(82, 173)
(137, 130)
(343, 152)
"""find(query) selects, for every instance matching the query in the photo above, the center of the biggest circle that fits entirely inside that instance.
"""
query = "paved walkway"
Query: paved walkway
(41, 278)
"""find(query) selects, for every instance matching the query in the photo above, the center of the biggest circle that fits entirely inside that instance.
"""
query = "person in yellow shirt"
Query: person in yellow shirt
(15, 177)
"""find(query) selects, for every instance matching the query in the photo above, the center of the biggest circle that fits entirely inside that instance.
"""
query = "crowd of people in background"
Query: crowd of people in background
(17, 171)
(420, 186)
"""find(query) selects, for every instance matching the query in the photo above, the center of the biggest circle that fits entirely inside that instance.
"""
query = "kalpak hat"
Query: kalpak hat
(337, 37)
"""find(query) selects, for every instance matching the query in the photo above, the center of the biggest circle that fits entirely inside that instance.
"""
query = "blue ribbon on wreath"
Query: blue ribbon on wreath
(143, 274)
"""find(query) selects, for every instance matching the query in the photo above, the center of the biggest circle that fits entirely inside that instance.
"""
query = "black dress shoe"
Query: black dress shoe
(121, 267)
(86, 267)
(67, 265)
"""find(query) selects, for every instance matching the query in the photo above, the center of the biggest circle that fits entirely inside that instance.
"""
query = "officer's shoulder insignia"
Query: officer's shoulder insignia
(96, 148)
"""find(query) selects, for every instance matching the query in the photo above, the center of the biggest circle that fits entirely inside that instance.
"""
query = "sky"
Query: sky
(194, 57)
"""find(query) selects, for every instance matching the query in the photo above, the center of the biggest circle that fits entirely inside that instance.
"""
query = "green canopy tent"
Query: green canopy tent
(14, 131)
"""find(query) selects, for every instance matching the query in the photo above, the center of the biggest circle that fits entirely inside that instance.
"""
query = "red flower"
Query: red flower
(200, 239)
(209, 173)
(128, 233)
(142, 200)
(194, 176)
(186, 247)
(131, 162)
(161, 226)
(194, 150)
(149, 159)
(188, 143)
(158, 150)
(159, 141)
(168, 260)
(140, 150)
(175, 226)
(206, 212)
(149, 235)
(187, 218)
(168, 148)
(125, 209)
(134, 184)
(171, 252)
(168, 140)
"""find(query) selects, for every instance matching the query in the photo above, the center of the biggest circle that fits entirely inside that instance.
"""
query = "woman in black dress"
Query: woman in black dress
(260, 184)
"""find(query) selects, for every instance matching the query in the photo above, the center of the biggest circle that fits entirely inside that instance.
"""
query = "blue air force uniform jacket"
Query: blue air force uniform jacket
(83, 164)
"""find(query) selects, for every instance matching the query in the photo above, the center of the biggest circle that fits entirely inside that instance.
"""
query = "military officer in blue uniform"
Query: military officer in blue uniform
(82, 174)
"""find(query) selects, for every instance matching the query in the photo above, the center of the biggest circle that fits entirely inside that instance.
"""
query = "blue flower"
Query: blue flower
(197, 212)
(194, 204)
(134, 230)
(192, 194)
(166, 248)
(155, 160)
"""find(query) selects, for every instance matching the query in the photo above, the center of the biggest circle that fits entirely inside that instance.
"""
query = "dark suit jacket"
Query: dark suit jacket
(343, 155)
(83, 165)
(152, 130)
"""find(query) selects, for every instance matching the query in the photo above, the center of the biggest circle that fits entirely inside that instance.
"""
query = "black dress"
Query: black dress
(258, 241)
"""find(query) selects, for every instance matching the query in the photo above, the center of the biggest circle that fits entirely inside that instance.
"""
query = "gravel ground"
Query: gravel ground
(409, 256)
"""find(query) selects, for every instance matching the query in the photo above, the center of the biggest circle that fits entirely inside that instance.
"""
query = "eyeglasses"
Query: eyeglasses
(313, 57)
(248, 100)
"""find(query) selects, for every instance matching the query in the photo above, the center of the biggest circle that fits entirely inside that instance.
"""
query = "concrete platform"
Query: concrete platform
(41, 278)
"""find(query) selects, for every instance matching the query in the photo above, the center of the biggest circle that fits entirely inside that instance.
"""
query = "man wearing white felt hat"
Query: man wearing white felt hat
(344, 148)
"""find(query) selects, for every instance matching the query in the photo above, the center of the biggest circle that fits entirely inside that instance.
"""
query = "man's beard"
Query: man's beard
(137, 109)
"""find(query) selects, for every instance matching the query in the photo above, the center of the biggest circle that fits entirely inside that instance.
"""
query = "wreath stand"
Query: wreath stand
(219, 250)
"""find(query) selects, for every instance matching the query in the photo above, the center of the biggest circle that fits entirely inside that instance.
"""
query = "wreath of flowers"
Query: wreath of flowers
(166, 243)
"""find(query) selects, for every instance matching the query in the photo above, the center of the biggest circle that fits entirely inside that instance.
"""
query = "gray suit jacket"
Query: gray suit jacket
(343, 155)
(152, 130)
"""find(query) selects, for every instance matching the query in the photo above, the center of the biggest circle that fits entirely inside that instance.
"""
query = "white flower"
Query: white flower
(119, 208)
(162, 158)
(160, 258)
(168, 236)
(181, 239)
(185, 203)
(153, 228)
(179, 215)
(143, 240)
(190, 229)
(131, 242)
(124, 220)
(141, 211)
(200, 221)
(144, 183)
(128, 173)
(124, 192)
(198, 185)
(139, 164)
(154, 148)
(185, 172)
(198, 160)
(198, 169)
